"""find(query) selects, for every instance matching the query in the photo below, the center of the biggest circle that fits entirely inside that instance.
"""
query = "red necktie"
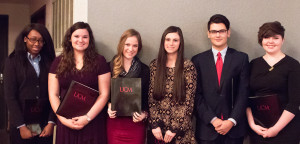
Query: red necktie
(219, 66)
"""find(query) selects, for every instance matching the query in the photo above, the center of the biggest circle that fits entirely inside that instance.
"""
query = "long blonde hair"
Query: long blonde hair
(118, 59)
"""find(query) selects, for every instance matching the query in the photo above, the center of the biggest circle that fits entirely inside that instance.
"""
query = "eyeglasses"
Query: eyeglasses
(34, 40)
(214, 32)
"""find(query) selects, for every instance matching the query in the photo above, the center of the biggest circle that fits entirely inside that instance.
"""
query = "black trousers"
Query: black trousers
(15, 138)
(221, 139)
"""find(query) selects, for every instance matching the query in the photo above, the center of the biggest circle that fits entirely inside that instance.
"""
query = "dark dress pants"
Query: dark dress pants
(223, 140)
(15, 138)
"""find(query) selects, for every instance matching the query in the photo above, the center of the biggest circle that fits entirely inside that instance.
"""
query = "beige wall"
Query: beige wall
(18, 15)
(109, 19)
(37, 4)
(80, 10)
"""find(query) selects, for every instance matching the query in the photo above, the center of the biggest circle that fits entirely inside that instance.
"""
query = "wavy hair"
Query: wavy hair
(67, 63)
(159, 89)
(118, 59)
(270, 29)
(47, 52)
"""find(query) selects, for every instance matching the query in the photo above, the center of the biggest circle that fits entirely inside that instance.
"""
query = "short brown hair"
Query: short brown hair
(270, 29)
(218, 18)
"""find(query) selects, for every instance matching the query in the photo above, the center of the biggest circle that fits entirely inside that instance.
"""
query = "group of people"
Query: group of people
(214, 86)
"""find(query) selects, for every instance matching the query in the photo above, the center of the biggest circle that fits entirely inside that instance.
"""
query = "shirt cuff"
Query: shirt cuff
(213, 119)
(233, 121)
(21, 126)
(51, 122)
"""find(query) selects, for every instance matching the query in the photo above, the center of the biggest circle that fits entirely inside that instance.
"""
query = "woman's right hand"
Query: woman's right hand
(258, 129)
(157, 133)
(69, 123)
(111, 114)
(136, 117)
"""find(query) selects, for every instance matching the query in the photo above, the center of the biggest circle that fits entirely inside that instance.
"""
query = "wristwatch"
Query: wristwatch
(88, 118)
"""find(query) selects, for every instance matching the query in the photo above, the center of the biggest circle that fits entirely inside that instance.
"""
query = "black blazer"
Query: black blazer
(20, 85)
(145, 76)
(228, 99)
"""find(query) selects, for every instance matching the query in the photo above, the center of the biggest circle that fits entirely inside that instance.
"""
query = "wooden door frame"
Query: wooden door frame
(3, 55)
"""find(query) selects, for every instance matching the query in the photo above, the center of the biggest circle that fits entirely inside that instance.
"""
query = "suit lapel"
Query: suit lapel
(226, 66)
(212, 67)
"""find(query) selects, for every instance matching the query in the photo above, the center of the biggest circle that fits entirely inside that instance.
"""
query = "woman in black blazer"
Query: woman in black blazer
(126, 64)
(25, 83)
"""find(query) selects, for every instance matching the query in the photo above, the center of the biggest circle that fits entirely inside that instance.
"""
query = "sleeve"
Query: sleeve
(145, 88)
(203, 111)
(242, 92)
(182, 116)
(103, 67)
(54, 65)
(11, 93)
(251, 74)
(293, 89)
(51, 116)
(154, 106)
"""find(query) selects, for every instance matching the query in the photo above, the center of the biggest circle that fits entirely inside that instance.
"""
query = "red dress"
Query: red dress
(95, 131)
(122, 130)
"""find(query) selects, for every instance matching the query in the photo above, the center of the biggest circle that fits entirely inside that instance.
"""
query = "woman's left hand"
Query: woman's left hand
(80, 121)
(169, 136)
(271, 132)
(136, 117)
(48, 130)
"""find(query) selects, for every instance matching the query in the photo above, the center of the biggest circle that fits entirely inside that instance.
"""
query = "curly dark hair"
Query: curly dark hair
(67, 63)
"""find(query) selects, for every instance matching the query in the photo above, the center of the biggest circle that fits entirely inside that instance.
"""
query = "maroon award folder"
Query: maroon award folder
(78, 100)
(35, 111)
(126, 95)
(266, 110)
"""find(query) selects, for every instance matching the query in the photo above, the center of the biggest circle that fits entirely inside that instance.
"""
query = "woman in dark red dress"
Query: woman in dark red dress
(129, 130)
(80, 62)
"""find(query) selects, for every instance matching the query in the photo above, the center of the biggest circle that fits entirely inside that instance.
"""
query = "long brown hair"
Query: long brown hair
(159, 89)
(118, 59)
(67, 63)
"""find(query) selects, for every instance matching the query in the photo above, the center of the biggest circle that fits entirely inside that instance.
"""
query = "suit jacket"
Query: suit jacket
(22, 83)
(228, 99)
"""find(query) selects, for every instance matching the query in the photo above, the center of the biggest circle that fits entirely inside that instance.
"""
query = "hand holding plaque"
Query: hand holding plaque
(78, 100)
(266, 110)
(126, 96)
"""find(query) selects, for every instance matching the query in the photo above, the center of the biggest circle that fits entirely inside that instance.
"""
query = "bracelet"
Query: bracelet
(88, 118)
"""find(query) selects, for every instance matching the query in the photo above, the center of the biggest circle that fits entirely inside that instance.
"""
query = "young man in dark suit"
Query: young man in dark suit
(222, 88)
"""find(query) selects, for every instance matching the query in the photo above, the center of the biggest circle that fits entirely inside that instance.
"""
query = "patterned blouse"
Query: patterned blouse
(169, 114)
